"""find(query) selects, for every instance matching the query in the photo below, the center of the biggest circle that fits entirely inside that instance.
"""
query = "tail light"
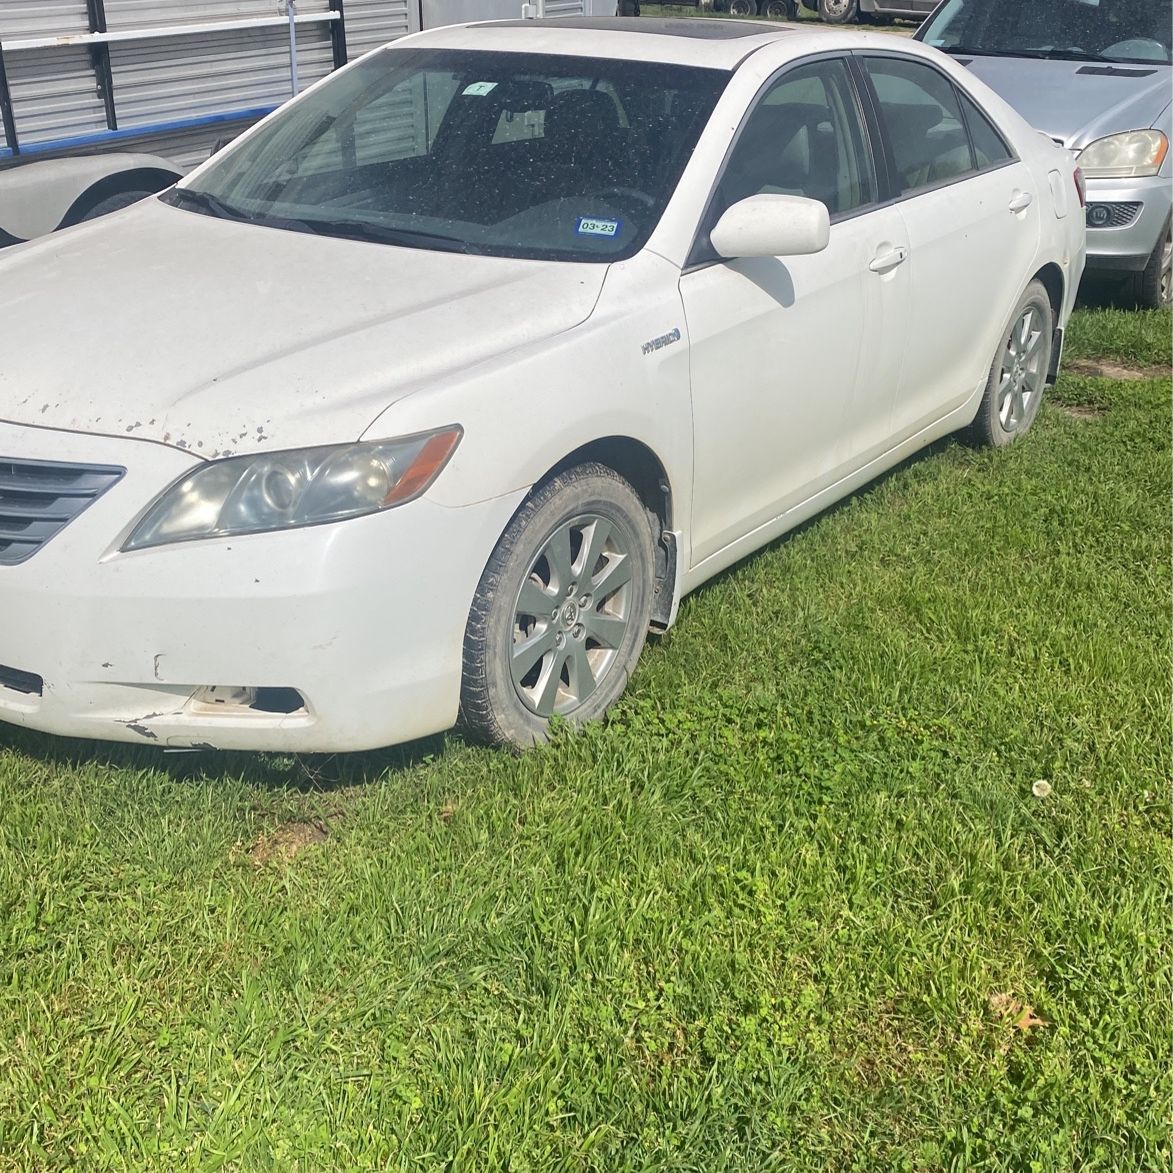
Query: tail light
(1081, 187)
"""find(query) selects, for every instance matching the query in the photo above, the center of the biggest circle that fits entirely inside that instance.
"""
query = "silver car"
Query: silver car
(1095, 75)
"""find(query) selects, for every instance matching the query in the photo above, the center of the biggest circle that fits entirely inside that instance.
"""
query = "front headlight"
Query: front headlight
(303, 486)
(1125, 156)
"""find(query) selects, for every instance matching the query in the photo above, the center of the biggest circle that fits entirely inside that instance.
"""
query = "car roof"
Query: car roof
(712, 42)
(705, 30)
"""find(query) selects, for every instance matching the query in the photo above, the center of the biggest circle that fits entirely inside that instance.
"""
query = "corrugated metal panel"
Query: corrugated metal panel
(188, 148)
(42, 18)
(193, 76)
(370, 23)
(54, 94)
(126, 14)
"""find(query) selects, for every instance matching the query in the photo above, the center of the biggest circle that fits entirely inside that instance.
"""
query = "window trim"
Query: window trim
(699, 250)
(896, 194)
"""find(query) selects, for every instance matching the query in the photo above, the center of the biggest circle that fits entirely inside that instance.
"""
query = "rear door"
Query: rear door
(971, 213)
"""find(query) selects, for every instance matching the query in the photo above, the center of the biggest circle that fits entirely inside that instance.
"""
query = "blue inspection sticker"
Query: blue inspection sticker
(595, 226)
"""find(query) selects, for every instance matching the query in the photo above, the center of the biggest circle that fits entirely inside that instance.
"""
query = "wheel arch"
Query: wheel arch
(1053, 282)
(643, 469)
(1052, 279)
(136, 179)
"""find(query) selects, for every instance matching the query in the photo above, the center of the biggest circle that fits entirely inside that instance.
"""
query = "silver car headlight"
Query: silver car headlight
(301, 486)
(1131, 155)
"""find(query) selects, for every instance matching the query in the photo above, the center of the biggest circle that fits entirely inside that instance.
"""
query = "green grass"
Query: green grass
(783, 910)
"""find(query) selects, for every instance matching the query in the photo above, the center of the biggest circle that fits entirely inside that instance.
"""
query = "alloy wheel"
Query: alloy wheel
(571, 615)
(1023, 372)
(1167, 271)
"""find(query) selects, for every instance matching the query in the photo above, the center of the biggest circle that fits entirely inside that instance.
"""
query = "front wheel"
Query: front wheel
(1018, 376)
(562, 609)
(838, 11)
(1153, 287)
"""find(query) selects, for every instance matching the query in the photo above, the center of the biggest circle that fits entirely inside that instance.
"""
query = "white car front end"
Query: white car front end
(329, 637)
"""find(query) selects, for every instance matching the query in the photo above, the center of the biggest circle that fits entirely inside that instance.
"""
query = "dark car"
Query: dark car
(844, 11)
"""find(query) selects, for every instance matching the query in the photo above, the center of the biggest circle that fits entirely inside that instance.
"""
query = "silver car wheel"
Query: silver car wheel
(836, 11)
(1166, 293)
(1023, 374)
(571, 616)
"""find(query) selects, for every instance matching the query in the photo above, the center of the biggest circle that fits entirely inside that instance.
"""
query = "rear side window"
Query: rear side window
(989, 149)
(922, 119)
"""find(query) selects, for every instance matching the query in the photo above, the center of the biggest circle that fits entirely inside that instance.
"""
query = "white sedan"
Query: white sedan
(431, 395)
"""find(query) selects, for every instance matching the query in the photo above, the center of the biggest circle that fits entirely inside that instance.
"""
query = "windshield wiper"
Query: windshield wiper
(1053, 54)
(378, 233)
(205, 201)
(967, 51)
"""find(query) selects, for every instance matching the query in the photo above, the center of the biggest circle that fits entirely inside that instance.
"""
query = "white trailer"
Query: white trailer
(103, 102)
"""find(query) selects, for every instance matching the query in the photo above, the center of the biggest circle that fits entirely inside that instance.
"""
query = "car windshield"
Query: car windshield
(1078, 30)
(506, 154)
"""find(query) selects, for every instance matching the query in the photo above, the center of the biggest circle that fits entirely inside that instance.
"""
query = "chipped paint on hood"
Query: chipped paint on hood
(219, 338)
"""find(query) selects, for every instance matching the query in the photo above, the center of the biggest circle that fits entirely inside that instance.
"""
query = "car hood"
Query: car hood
(1065, 101)
(219, 337)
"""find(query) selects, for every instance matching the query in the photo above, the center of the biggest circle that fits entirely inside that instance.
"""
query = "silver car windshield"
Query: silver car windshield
(1076, 30)
(521, 155)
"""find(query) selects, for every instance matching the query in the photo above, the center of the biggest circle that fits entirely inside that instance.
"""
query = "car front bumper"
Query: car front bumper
(1128, 246)
(364, 619)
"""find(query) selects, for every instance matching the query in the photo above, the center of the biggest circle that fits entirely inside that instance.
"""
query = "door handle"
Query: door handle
(888, 261)
(1021, 201)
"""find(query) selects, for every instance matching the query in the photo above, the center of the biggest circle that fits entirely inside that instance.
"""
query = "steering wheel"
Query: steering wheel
(1147, 48)
(631, 193)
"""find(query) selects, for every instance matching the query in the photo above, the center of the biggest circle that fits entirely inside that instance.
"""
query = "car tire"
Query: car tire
(776, 9)
(838, 11)
(1018, 375)
(1152, 288)
(114, 203)
(743, 8)
(575, 657)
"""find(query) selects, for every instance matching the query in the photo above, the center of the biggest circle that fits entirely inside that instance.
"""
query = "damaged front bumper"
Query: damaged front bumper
(322, 639)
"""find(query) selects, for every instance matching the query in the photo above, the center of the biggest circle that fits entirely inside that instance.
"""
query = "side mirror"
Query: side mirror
(772, 226)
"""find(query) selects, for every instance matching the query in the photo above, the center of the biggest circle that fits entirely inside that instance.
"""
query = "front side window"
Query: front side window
(1075, 30)
(922, 121)
(523, 155)
(804, 137)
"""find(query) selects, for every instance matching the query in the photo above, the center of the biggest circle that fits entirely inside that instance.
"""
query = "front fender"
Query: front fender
(622, 372)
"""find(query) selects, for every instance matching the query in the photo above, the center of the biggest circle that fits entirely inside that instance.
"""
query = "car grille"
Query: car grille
(38, 499)
(1112, 215)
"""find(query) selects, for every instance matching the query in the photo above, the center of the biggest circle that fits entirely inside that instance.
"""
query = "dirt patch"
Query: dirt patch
(1080, 412)
(1104, 369)
(283, 843)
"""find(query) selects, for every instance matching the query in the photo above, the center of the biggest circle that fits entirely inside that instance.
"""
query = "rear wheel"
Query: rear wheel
(776, 9)
(838, 11)
(114, 203)
(562, 609)
(1018, 376)
(743, 8)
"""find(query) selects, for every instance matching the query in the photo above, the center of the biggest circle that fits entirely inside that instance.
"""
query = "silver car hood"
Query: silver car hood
(1066, 101)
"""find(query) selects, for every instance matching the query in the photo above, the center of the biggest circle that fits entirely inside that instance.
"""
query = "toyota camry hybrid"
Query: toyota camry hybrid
(428, 397)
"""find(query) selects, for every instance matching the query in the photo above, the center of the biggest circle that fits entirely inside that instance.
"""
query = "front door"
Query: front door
(794, 360)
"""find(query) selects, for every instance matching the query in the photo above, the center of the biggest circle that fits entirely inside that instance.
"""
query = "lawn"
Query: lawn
(794, 906)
